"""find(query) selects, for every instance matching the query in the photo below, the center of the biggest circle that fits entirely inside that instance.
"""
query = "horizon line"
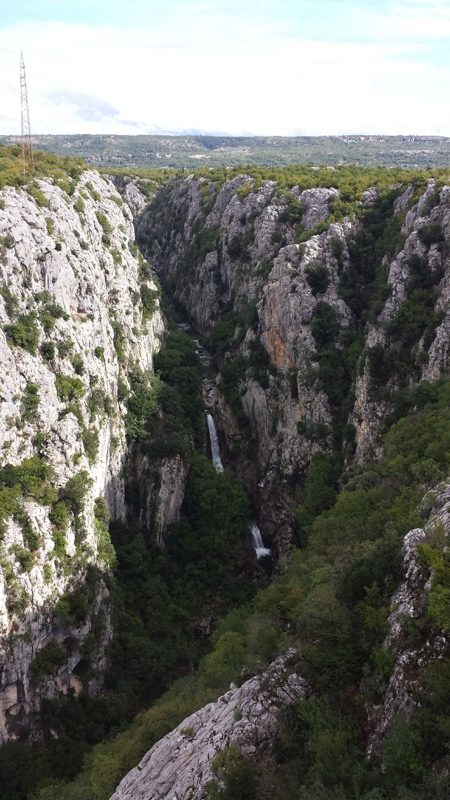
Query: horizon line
(205, 134)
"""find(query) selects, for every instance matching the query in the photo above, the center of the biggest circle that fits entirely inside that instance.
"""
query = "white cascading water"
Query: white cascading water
(214, 441)
(258, 543)
(257, 540)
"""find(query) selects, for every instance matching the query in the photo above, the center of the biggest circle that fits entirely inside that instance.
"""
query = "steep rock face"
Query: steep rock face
(299, 374)
(422, 264)
(132, 193)
(72, 326)
(179, 765)
(407, 607)
(158, 492)
(223, 252)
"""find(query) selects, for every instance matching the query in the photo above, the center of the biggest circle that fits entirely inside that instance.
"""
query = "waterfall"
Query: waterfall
(257, 540)
(258, 543)
(214, 441)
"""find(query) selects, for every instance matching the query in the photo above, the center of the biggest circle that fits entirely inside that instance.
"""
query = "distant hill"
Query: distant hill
(190, 151)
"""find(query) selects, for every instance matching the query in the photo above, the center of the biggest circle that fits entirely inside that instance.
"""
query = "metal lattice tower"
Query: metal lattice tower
(25, 139)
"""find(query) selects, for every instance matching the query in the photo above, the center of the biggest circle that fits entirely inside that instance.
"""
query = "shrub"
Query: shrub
(238, 247)
(90, 444)
(227, 658)
(68, 388)
(337, 248)
(11, 303)
(317, 277)
(24, 557)
(73, 608)
(79, 205)
(123, 391)
(106, 550)
(75, 490)
(99, 403)
(438, 601)
(203, 242)
(142, 404)
(59, 516)
(35, 191)
(65, 346)
(236, 777)
(24, 333)
(47, 350)
(430, 234)
(47, 661)
(30, 401)
(293, 211)
(30, 536)
(45, 165)
(260, 363)
(103, 221)
(31, 476)
(223, 333)
(401, 752)
(78, 364)
(119, 340)
(414, 317)
(315, 431)
(49, 313)
(116, 257)
(276, 238)
(324, 325)
(381, 366)
(148, 298)
(304, 235)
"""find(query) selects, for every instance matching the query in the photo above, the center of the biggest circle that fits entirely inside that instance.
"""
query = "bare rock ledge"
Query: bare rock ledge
(178, 767)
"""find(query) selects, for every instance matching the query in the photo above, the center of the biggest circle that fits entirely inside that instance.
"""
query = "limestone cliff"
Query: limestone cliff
(73, 326)
(317, 316)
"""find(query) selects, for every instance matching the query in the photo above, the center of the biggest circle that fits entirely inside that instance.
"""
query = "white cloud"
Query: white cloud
(198, 74)
(425, 21)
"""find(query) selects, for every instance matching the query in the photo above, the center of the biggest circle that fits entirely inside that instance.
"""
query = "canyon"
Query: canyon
(316, 325)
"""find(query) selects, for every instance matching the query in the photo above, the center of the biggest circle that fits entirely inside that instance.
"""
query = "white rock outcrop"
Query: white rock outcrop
(179, 765)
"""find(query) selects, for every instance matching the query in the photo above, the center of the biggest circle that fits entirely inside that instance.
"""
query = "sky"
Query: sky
(236, 67)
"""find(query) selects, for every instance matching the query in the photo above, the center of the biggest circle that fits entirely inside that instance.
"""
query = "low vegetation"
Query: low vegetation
(24, 333)
(46, 165)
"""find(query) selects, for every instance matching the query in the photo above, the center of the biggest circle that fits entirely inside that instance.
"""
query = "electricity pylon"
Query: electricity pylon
(25, 139)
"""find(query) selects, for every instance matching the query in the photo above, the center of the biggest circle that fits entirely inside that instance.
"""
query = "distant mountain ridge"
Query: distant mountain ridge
(216, 150)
